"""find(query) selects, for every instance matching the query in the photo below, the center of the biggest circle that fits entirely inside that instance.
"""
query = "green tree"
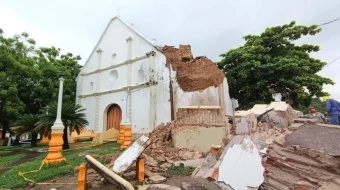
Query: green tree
(272, 63)
(72, 115)
(27, 123)
(29, 77)
(15, 71)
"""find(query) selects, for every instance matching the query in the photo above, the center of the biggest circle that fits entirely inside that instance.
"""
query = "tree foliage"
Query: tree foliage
(29, 77)
(272, 63)
(27, 123)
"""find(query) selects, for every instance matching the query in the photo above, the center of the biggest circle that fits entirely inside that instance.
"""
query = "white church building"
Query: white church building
(125, 81)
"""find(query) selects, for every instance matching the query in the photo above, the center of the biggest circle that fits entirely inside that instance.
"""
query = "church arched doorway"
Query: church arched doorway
(114, 117)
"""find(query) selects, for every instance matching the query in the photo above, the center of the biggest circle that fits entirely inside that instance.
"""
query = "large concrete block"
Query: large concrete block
(281, 116)
(208, 115)
(198, 138)
(245, 122)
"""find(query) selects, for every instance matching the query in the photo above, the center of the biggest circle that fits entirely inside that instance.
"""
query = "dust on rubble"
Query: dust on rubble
(193, 74)
(162, 149)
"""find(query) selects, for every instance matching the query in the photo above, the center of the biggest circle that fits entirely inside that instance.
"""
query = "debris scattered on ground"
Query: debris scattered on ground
(193, 74)
(158, 187)
(305, 159)
(157, 179)
(162, 149)
(241, 166)
(130, 155)
(193, 186)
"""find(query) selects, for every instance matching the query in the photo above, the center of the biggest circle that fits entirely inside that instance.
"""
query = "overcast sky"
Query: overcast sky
(210, 27)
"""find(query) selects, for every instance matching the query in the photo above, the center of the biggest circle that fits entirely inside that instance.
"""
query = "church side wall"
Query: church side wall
(228, 109)
(89, 104)
(140, 111)
(163, 108)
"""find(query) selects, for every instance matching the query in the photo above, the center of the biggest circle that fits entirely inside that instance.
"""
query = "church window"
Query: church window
(140, 76)
(91, 86)
(113, 75)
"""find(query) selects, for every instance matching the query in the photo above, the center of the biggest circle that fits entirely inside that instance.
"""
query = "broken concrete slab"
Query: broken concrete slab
(191, 137)
(316, 137)
(130, 155)
(245, 122)
(208, 169)
(242, 161)
(305, 120)
(189, 155)
(259, 109)
(190, 163)
(108, 174)
(158, 187)
(149, 160)
(157, 179)
(192, 186)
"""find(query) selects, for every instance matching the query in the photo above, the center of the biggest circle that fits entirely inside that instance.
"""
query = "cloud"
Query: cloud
(211, 28)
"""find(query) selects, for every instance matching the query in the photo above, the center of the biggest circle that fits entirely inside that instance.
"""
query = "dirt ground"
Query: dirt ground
(29, 155)
(173, 181)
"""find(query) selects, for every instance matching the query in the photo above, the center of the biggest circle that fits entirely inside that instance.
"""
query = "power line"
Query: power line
(168, 59)
(329, 22)
(331, 62)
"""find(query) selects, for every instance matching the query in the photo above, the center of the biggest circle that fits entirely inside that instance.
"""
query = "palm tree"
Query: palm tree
(27, 123)
(72, 116)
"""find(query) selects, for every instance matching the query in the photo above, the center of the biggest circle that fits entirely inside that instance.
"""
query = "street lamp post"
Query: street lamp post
(56, 143)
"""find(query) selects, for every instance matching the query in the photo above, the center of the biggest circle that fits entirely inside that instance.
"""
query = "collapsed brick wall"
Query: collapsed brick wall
(193, 74)
(195, 115)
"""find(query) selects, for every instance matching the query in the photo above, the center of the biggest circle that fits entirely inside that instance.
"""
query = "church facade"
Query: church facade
(126, 81)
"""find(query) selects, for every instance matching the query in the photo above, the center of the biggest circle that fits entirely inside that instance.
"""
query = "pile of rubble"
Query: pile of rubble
(162, 149)
(307, 158)
(193, 74)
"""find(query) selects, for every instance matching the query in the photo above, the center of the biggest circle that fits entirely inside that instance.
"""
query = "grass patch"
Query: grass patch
(10, 148)
(108, 148)
(5, 160)
(4, 151)
(10, 179)
(180, 170)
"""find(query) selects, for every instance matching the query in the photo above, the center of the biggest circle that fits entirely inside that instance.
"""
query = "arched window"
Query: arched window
(91, 86)
(140, 76)
(113, 75)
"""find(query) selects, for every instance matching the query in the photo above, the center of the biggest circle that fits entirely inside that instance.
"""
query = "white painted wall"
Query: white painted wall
(140, 72)
(228, 109)
(141, 111)
(208, 97)
(115, 52)
(110, 81)
(89, 105)
(163, 108)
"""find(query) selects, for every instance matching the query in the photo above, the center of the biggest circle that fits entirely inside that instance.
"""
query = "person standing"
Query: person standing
(333, 110)
(313, 114)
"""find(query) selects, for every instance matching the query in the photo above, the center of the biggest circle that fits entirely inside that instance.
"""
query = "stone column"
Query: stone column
(56, 144)
(97, 107)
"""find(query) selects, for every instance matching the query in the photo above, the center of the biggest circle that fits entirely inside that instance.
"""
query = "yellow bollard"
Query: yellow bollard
(82, 177)
(121, 134)
(44, 140)
(127, 138)
(140, 164)
(54, 155)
